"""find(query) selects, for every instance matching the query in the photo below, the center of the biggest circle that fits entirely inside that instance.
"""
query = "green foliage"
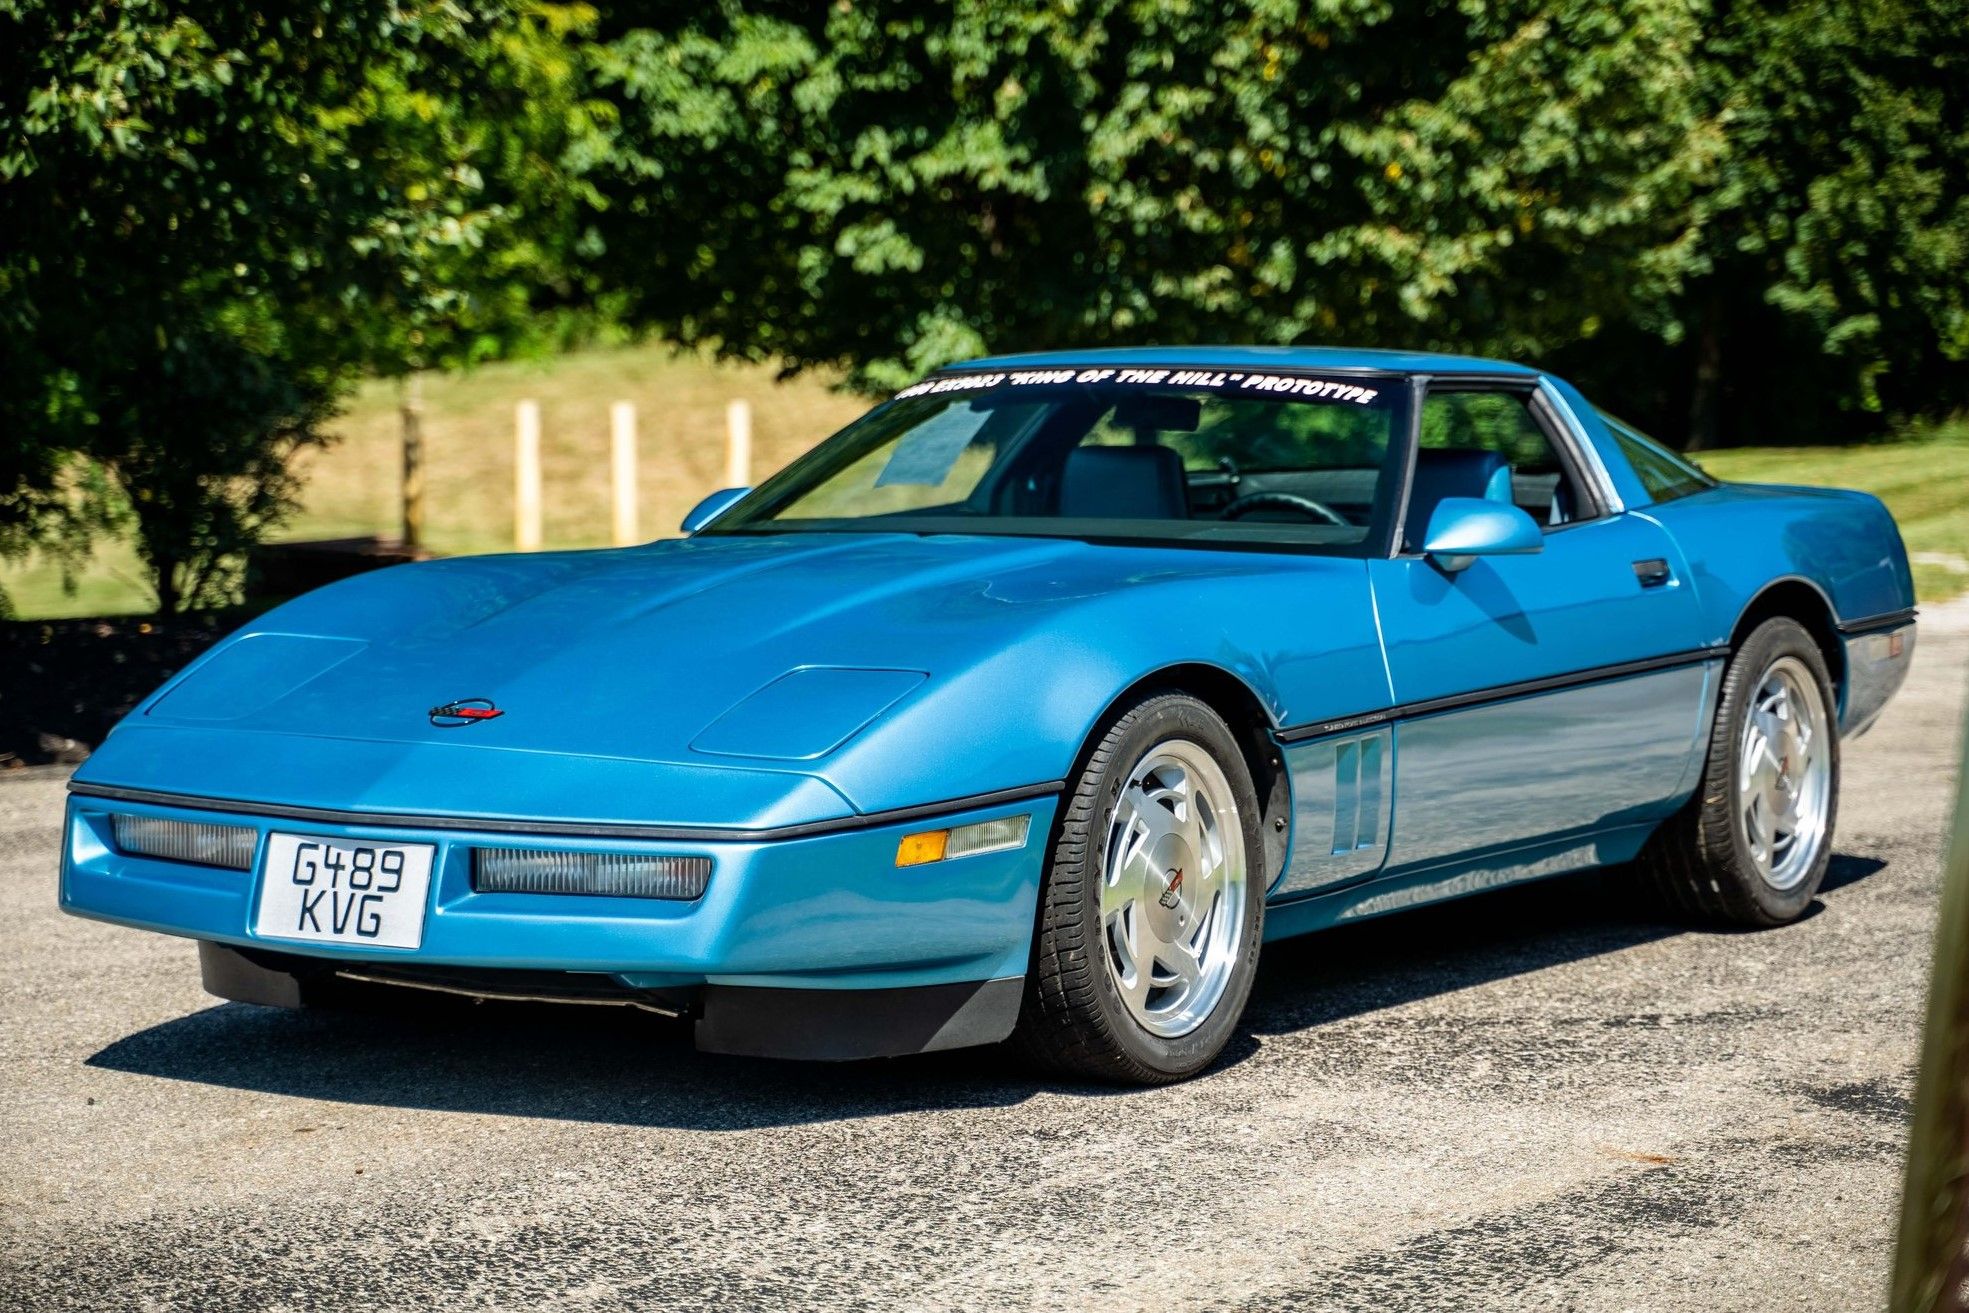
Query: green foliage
(1744, 221)
(1676, 202)
(1845, 203)
(469, 158)
(905, 185)
(245, 413)
(214, 222)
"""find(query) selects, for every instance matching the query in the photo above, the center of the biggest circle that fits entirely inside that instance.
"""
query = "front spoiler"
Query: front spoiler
(838, 1025)
(811, 1024)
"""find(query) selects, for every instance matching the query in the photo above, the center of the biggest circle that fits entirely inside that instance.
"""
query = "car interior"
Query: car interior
(1484, 445)
(1170, 457)
(1223, 466)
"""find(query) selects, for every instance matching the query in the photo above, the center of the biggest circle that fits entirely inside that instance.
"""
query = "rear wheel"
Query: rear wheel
(1151, 912)
(1751, 847)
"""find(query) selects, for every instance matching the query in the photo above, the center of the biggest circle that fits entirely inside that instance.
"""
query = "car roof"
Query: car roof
(1272, 357)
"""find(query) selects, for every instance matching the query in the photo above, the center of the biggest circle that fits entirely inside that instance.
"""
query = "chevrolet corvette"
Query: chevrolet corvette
(1029, 706)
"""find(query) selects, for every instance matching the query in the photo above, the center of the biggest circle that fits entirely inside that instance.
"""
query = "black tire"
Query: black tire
(1073, 1019)
(1699, 863)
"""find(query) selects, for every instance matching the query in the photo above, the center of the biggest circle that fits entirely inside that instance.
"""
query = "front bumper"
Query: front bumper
(825, 912)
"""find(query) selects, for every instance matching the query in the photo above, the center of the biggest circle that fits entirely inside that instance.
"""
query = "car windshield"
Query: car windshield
(1169, 455)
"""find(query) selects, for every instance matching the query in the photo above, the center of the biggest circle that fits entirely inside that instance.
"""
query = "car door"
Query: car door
(1539, 696)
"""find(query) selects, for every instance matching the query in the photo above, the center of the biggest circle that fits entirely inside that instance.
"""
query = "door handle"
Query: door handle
(1652, 573)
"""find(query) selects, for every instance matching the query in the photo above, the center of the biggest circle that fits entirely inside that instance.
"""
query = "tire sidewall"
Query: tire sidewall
(1767, 644)
(1157, 720)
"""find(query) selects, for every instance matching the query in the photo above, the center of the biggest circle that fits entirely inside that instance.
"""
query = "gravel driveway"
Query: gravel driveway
(1542, 1098)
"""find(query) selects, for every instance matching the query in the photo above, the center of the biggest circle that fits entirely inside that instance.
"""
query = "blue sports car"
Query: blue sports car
(1029, 705)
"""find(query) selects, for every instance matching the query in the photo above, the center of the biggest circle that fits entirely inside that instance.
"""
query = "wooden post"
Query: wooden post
(738, 445)
(622, 469)
(411, 399)
(526, 477)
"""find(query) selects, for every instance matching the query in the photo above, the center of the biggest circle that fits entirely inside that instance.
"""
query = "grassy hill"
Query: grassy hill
(351, 489)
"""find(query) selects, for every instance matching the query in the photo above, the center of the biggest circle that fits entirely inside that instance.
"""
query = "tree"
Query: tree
(1713, 212)
(897, 185)
(215, 220)
(1752, 214)
(1841, 213)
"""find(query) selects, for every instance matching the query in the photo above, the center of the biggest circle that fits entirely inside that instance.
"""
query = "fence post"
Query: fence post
(622, 469)
(526, 477)
(412, 401)
(738, 445)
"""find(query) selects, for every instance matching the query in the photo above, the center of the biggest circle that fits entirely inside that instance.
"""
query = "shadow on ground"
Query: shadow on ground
(618, 1066)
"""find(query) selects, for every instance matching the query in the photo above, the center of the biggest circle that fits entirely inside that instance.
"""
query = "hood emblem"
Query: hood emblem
(464, 711)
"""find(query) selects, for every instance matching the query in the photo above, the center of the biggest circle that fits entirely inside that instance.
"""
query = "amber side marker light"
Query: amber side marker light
(997, 836)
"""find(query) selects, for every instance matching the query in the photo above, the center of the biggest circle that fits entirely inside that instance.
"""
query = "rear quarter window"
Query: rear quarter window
(1665, 475)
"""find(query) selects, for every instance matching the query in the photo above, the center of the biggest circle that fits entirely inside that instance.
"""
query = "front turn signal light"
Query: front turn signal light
(916, 849)
(997, 836)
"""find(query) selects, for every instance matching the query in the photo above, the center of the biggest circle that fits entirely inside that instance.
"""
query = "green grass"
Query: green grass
(351, 489)
(1924, 481)
(113, 584)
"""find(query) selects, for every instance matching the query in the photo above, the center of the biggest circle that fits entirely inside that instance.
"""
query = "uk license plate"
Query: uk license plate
(344, 891)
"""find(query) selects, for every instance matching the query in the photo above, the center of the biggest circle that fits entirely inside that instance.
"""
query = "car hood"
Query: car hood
(673, 655)
(627, 654)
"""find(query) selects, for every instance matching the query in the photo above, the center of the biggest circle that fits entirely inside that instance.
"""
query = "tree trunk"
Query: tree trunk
(164, 578)
(1706, 397)
(163, 568)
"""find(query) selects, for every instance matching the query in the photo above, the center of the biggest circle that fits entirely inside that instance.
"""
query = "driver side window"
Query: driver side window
(1488, 444)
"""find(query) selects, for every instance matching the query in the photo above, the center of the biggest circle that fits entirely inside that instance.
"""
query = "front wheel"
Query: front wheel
(1151, 912)
(1752, 846)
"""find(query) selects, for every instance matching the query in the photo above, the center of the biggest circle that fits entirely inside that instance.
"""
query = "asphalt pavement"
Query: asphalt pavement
(1540, 1098)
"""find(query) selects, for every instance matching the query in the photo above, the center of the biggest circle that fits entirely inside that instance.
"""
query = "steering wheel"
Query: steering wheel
(1240, 507)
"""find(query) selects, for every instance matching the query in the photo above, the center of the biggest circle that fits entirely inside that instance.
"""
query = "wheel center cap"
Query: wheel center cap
(1173, 891)
(1168, 893)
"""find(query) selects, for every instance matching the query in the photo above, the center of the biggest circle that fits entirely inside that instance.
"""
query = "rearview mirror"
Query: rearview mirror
(1164, 414)
(712, 507)
(1463, 528)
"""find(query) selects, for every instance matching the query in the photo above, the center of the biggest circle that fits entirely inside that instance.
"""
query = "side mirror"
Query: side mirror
(712, 507)
(1463, 528)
